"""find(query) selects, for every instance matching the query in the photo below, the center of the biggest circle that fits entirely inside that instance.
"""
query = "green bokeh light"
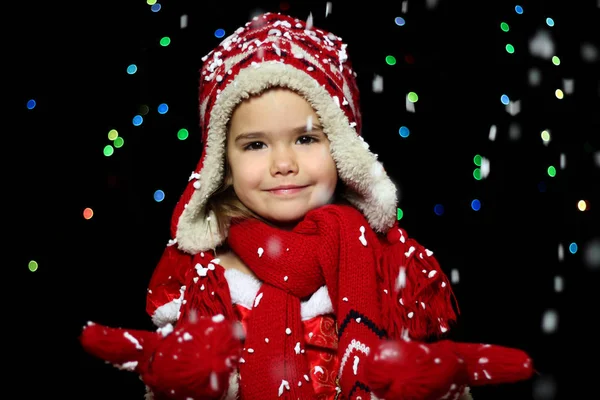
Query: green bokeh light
(165, 41)
(33, 266)
(399, 214)
(413, 97)
(555, 60)
(108, 150)
(551, 171)
(182, 134)
(477, 160)
(119, 142)
(510, 48)
(504, 26)
(477, 173)
(390, 60)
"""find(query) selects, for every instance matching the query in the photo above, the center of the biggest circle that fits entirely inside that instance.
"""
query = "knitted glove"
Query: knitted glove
(193, 361)
(410, 370)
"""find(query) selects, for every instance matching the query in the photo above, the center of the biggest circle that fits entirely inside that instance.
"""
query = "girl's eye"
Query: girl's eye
(251, 146)
(311, 139)
(256, 145)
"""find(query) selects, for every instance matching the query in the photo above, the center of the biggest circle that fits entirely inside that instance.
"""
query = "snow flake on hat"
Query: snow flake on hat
(194, 175)
(342, 54)
(377, 169)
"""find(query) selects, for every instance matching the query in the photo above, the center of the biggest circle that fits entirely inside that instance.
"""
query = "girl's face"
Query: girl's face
(275, 139)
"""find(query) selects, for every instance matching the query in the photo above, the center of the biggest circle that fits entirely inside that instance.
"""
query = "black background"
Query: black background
(72, 59)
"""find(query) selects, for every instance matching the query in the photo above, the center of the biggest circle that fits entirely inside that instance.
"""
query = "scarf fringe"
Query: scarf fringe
(418, 301)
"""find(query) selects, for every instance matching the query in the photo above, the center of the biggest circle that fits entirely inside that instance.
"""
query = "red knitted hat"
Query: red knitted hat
(278, 50)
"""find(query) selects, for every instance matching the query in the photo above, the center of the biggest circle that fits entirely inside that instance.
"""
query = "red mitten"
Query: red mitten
(193, 361)
(128, 349)
(490, 364)
(408, 370)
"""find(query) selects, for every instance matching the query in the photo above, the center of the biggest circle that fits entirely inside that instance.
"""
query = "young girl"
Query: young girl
(287, 275)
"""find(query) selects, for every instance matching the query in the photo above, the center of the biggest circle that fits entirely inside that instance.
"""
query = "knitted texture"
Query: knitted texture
(194, 360)
(332, 246)
(442, 370)
(382, 284)
(283, 39)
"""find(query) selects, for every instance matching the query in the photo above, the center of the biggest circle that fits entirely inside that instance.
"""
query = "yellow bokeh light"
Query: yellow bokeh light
(113, 134)
(559, 94)
(582, 205)
(546, 135)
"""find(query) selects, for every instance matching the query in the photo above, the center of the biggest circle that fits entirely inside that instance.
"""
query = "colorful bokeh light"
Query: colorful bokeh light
(88, 213)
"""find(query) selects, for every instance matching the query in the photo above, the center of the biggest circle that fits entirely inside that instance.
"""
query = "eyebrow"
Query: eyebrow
(295, 131)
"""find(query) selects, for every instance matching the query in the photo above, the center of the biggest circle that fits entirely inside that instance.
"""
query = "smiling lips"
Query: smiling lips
(287, 190)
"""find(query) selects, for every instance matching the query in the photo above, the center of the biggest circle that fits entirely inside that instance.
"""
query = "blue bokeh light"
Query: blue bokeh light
(219, 33)
(159, 196)
(163, 108)
(31, 104)
(404, 131)
(399, 21)
(137, 120)
(476, 205)
(573, 248)
(438, 209)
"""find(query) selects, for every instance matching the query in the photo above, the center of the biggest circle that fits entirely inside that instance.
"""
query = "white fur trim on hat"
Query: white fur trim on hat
(369, 187)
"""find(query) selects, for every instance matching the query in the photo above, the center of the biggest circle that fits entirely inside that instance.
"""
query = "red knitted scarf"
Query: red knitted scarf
(378, 289)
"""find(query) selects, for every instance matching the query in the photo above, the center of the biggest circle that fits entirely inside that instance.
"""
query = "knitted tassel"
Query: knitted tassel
(421, 300)
(408, 370)
(166, 281)
(124, 348)
(207, 292)
(195, 361)
(492, 364)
